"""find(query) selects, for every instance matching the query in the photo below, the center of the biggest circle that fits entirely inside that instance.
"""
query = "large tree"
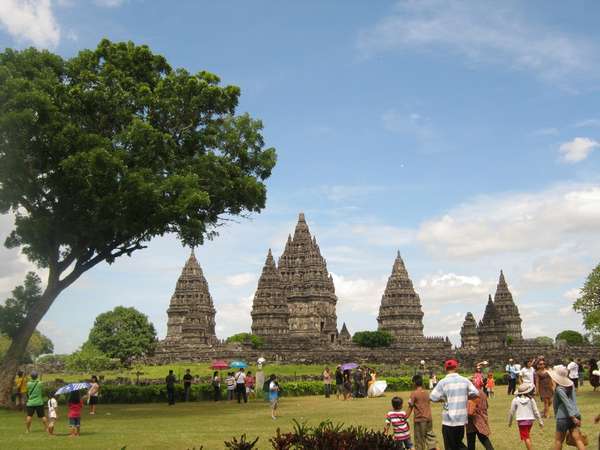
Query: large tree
(588, 303)
(123, 333)
(104, 151)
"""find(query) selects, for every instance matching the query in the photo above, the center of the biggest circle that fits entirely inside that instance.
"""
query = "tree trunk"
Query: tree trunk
(18, 346)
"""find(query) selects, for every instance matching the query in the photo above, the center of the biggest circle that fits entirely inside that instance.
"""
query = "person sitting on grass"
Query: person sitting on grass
(273, 395)
(418, 402)
(52, 413)
(398, 421)
(35, 401)
(75, 405)
(525, 410)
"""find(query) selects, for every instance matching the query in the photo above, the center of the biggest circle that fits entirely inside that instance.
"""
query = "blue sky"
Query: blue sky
(464, 134)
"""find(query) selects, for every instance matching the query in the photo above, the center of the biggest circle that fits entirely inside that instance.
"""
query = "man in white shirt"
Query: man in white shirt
(240, 386)
(573, 369)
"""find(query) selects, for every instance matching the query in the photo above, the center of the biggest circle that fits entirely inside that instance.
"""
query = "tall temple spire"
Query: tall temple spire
(191, 313)
(400, 311)
(507, 309)
(309, 289)
(492, 329)
(270, 312)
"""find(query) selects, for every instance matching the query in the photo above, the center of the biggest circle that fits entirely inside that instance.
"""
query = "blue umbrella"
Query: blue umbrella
(238, 365)
(72, 387)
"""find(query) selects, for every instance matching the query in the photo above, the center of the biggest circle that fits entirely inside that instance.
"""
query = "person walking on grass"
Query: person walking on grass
(524, 409)
(490, 385)
(216, 385)
(250, 381)
(511, 374)
(273, 395)
(454, 391)
(397, 420)
(478, 426)
(170, 382)
(544, 387)
(339, 382)
(240, 386)
(20, 390)
(527, 373)
(93, 393)
(568, 417)
(35, 401)
(573, 369)
(230, 382)
(327, 382)
(52, 413)
(187, 385)
(418, 403)
(75, 405)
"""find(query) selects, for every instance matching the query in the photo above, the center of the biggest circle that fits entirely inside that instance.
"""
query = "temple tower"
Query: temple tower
(309, 287)
(507, 310)
(400, 312)
(491, 329)
(468, 333)
(344, 336)
(191, 312)
(270, 309)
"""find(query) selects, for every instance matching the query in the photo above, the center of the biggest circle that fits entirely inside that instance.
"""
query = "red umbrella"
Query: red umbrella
(219, 365)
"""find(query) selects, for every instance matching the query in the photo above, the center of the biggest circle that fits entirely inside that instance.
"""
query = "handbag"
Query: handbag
(571, 440)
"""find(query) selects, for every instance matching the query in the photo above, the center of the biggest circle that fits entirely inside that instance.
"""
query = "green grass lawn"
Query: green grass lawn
(183, 426)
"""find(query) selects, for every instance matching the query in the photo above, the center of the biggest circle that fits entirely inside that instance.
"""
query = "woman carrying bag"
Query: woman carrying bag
(568, 417)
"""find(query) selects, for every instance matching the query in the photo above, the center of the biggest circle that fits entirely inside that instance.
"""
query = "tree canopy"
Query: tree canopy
(588, 303)
(372, 338)
(571, 337)
(102, 152)
(253, 339)
(123, 333)
(38, 345)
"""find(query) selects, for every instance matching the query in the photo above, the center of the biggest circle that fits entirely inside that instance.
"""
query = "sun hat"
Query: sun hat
(525, 388)
(451, 364)
(560, 375)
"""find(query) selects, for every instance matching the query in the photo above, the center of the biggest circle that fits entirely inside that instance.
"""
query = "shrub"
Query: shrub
(372, 339)
(247, 338)
(571, 337)
(90, 359)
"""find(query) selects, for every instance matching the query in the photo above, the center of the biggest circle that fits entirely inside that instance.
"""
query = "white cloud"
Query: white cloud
(232, 318)
(109, 3)
(30, 21)
(443, 288)
(578, 149)
(555, 269)
(481, 32)
(518, 222)
(572, 294)
(240, 279)
(358, 294)
(413, 124)
(588, 123)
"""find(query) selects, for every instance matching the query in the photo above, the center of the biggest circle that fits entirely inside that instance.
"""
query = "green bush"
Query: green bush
(247, 338)
(372, 339)
(90, 359)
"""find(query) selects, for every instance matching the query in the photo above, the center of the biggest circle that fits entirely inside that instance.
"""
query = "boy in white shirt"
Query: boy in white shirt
(52, 414)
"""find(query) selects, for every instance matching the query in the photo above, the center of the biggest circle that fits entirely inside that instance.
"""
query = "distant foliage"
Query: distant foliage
(588, 303)
(38, 345)
(15, 309)
(544, 340)
(571, 337)
(90, 359)
(372, 339)
(123, 333)
(247, 338)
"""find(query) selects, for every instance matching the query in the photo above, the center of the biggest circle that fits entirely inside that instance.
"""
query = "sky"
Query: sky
(466, 135)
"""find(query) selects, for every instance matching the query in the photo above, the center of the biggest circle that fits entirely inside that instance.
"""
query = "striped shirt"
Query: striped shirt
(454, 390)
(399, 423)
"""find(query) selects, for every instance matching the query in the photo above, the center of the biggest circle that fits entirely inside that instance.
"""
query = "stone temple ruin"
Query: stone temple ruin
(294, 310)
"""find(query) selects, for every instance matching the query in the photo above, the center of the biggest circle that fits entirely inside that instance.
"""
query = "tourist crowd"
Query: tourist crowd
(464, 412)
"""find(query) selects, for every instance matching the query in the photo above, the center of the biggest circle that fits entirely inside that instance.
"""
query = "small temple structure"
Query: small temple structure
(468, 333)
(400, 312)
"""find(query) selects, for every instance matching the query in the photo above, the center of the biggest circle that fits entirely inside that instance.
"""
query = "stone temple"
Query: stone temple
(295, 310)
